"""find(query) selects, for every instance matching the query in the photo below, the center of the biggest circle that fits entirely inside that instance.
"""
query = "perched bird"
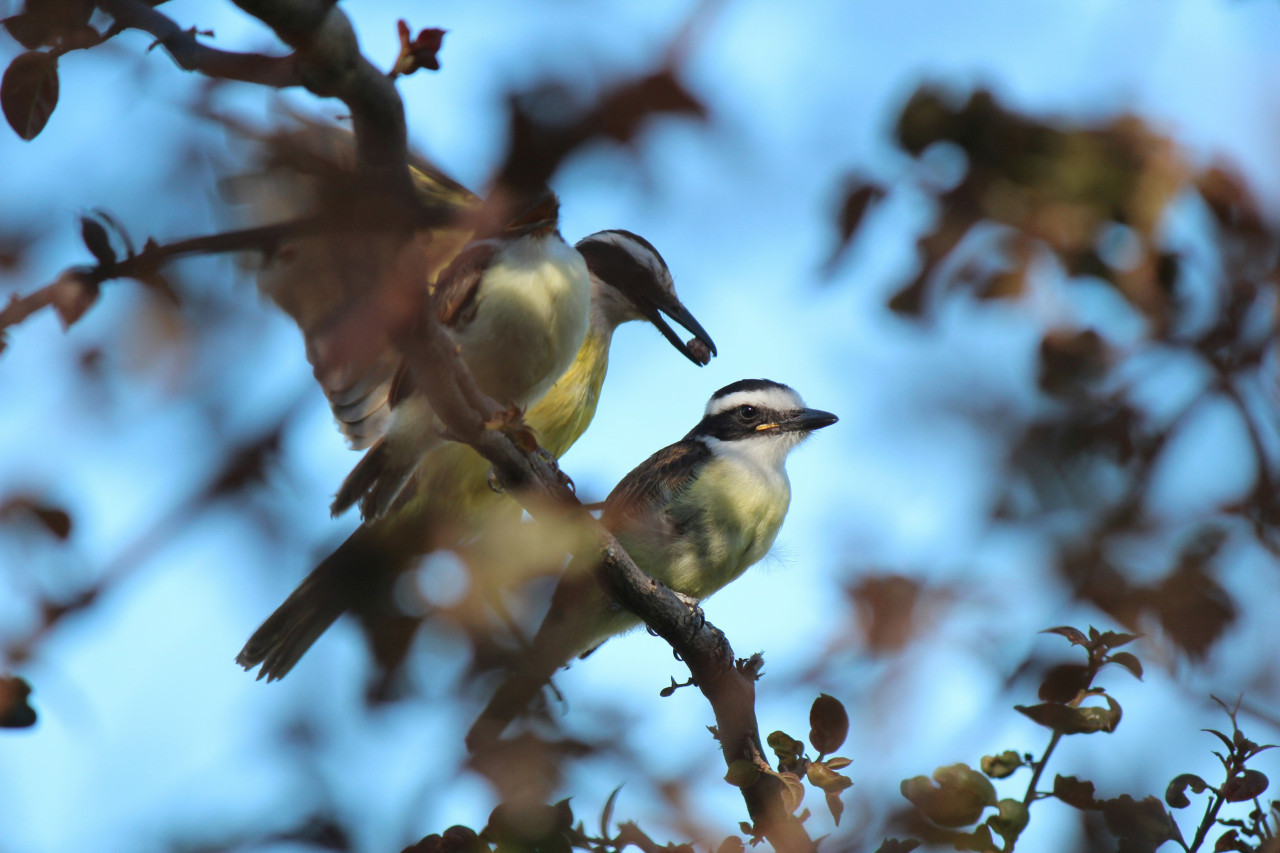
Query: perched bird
(694, 516)
(518, 306)
(450, 499)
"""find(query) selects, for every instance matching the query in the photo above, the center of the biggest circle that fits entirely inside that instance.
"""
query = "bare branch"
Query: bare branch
(278, 72)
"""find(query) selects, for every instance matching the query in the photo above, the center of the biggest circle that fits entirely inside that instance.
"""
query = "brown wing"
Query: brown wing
(455, 291)
(652, 483)
(330, 285)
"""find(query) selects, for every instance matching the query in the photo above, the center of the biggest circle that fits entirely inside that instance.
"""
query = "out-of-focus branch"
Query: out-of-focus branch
(329, 61)
(326, 59)
(76, 289)
(277, 72)
(728, 685)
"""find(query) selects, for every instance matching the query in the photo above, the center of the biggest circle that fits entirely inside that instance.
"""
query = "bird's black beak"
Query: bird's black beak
(807, 420)
(700, 349)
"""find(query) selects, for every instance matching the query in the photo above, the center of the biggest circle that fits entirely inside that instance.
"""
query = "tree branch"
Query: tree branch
(326, 60)
(277, 72)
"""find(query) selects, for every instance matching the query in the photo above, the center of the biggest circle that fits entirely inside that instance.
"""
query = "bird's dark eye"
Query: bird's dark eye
(747, 412)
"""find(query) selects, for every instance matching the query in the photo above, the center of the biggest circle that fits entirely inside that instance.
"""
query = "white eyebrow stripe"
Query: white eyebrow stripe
(779, 399)
(638, 252)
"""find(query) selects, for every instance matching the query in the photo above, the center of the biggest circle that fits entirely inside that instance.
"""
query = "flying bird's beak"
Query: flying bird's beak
(653, 306)
(807, 420)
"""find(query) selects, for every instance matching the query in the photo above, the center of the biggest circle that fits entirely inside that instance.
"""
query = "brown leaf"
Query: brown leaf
(419, 52)
(54, 519)
(829, 724)
(73, 294)
(887, 610)
(1075, 635)
(29, 92)
(1128, 661)
(1176, 796)
(859, 197)
(835, 805)
(1194, 609)
(96, 240)
(1075, 792)
(1144, 824)
(44, 22)
(15, 711)
(1244, 786)
(1064, 682)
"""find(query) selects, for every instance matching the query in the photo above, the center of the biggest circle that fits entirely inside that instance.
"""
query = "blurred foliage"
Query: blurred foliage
(1020, 204)
(958, 796)
(1040, 203)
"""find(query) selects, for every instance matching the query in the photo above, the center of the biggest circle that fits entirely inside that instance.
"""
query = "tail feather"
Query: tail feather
(342, 581)
(381, 475)
(364, 477)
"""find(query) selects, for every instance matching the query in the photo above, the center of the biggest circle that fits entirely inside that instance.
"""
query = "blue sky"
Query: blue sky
(146, 723)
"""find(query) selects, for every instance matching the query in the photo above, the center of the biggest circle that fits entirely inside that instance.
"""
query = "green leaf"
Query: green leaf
(820, 775)
(786, 747)
(828, 724)
(957, 799)
(742, 773)
(29, 92)
(1011, 820)
(980, 840)
(1002, 765)
(1073, 721)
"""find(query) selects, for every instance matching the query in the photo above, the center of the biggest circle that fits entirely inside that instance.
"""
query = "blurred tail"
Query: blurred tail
(342, 581)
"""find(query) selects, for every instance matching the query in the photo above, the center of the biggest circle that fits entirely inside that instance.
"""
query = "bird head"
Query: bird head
(631, 281)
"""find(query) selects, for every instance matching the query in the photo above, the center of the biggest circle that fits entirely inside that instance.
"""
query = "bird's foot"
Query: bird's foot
(699, 618)
(495, 483)
(511, 421)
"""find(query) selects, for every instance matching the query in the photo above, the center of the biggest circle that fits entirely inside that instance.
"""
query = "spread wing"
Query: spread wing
(653, 482)
(331, 285)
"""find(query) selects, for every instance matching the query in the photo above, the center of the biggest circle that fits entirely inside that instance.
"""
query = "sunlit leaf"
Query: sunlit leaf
(1011, 820)
(1002, 765)
(956, 796)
